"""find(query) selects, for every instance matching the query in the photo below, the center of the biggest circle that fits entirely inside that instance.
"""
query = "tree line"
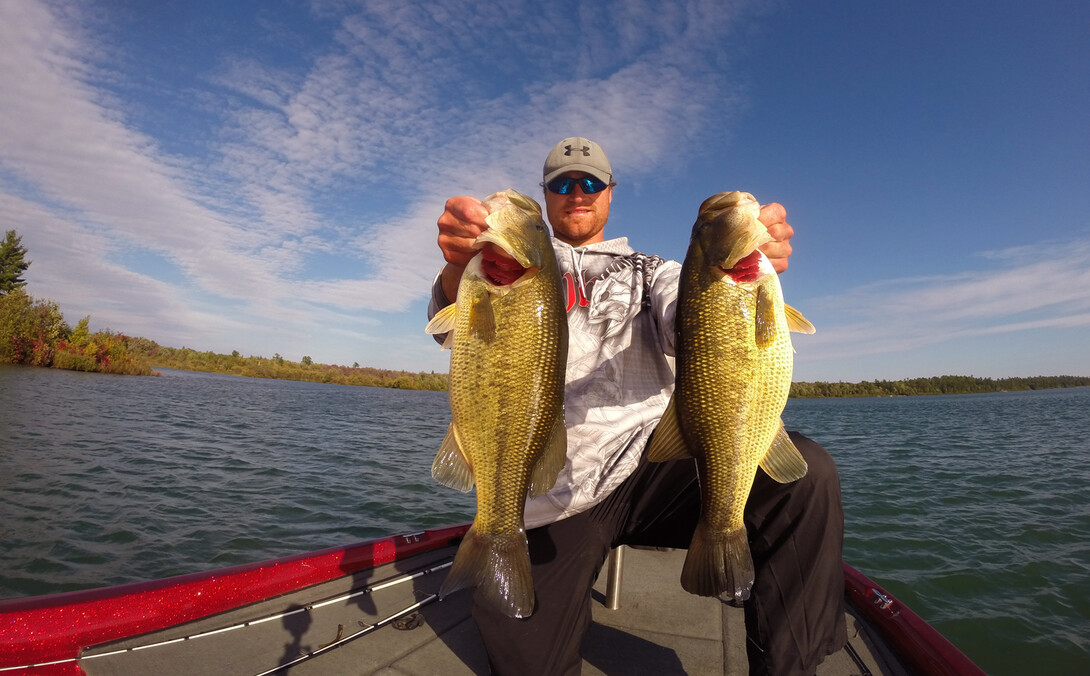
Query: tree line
(934, 385)
(34, 332)
(279, 368)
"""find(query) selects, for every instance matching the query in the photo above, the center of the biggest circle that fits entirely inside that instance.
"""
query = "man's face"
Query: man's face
(578, 218)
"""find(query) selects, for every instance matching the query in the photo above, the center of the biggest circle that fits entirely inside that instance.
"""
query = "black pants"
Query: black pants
(794, 618)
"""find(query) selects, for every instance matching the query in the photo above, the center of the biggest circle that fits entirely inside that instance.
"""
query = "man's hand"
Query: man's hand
(461, 222)
(774, 217)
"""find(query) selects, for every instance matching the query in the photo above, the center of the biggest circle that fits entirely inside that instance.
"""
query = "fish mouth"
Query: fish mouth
(746, 270)
(499, 267)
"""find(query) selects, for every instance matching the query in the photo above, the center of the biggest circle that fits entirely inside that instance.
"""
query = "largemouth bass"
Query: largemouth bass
(508, 335)
(734, 361)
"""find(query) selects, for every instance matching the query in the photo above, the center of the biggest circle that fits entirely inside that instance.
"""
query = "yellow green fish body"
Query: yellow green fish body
(508, 353)
(734, 363)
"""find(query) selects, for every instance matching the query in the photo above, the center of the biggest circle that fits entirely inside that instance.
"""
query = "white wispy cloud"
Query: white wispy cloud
(295, 211)
(402, 106)
(1036, 288)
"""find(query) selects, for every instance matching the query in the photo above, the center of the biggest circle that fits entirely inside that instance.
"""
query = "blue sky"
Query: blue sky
(266, 176)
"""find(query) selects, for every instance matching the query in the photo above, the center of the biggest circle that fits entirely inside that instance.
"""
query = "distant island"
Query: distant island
(33, 332)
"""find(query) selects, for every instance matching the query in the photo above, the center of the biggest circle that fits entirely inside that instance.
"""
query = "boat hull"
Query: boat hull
(52, 632)
(367, 606)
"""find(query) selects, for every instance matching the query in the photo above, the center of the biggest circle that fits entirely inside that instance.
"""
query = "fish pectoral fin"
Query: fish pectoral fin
(796, 322)
(450, 467)
(443, 322)
(482, 321)
(552, 460)
(667, 443)
(764, 318)
(783, 462)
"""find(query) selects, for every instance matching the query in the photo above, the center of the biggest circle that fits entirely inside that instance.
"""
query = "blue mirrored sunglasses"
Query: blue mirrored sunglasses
(565, 184)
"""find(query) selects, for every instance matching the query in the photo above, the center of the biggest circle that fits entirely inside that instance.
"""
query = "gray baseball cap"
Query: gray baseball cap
(578, 154)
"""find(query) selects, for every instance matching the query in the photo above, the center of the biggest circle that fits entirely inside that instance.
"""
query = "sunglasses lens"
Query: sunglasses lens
(561, 186)
(591, 185)
(564, 186)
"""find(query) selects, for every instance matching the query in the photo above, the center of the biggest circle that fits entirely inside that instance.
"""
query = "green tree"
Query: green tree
(81, 335)
(29, 329)
(15, 324)
(13, 263)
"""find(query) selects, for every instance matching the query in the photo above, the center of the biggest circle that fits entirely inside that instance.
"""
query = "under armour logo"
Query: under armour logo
(568, 150)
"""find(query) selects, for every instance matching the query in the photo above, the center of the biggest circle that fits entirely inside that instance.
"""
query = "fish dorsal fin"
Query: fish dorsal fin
(443, 322)
(482, 321)
(552, 460)
(796, 322)
(667, 443)
(764, 324)
(450, 467)
(783, 462)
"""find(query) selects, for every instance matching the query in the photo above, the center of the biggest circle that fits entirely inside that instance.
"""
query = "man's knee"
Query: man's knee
(819, 489)
(820, 466)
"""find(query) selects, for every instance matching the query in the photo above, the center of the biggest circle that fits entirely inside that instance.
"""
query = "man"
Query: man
(618, 383)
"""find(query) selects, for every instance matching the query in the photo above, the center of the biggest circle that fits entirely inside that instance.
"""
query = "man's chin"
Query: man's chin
(578, 229)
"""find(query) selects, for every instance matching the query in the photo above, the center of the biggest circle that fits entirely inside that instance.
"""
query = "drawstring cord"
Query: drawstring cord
(579, 269)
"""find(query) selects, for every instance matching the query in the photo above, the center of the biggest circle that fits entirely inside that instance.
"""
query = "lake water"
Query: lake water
(972, 509)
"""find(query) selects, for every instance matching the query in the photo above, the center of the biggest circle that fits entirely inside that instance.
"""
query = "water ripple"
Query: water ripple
(971, 509)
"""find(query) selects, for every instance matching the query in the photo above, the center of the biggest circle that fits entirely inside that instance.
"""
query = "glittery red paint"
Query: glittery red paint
(917, 642)
(57, 627)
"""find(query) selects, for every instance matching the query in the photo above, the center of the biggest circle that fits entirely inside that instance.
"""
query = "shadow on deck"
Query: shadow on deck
(658, 629)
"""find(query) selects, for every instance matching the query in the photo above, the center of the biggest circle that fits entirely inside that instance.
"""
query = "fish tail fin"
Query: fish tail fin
(718, 564)
(498, 566)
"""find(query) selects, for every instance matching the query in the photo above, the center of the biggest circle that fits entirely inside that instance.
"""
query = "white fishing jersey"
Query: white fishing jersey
(619, 375)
